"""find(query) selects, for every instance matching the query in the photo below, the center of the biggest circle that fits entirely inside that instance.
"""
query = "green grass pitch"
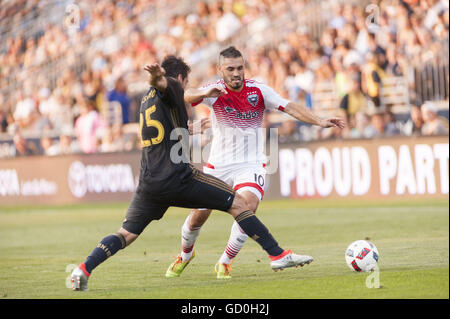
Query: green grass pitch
(39, 244)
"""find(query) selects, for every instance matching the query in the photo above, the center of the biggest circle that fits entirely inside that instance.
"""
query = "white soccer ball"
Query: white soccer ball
(362, 255)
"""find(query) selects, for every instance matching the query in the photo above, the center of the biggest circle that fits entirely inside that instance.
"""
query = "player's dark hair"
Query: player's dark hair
(175, 66)
(231, 52)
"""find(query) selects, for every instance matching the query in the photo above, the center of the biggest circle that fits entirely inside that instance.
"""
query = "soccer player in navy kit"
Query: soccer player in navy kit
(164, 183)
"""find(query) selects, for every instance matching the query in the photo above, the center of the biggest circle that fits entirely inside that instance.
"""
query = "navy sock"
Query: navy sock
(105, 249)
(255, 229)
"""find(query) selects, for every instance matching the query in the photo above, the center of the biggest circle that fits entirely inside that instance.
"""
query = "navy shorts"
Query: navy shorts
(198, 191)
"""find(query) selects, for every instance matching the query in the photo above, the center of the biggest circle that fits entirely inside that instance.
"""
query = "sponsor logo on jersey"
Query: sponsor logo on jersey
(229, 109)
(247, 115)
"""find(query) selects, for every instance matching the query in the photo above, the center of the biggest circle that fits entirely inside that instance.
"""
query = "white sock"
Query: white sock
(188, 237)
(237, 239)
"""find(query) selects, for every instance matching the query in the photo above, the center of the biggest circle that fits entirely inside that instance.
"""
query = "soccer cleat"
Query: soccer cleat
(176, 268)
(222, 271)
(80, 278)
(289, 259)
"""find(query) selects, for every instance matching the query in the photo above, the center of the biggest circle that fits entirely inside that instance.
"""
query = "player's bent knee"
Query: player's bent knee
(129, 237)
(239, 205)
(253, 206)
(252, 200)
(198, 217)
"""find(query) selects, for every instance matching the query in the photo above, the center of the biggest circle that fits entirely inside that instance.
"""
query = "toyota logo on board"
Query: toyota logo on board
(100, 178)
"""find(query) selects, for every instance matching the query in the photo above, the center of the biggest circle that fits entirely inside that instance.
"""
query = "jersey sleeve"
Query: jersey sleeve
(207, 101)
(272, 100)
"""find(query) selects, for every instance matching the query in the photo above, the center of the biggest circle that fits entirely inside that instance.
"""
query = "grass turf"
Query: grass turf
(39, 245)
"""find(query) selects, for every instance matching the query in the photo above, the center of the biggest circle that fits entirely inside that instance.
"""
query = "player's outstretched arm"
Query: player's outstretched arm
(304, 114)
(194, 95)
(157, 78)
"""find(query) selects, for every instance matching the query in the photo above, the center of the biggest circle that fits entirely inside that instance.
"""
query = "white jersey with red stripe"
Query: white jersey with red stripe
(236, 121)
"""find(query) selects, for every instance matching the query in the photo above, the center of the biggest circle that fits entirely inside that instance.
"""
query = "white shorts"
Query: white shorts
(242, 177)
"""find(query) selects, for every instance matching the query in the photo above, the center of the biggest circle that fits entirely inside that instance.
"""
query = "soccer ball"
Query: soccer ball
(361, 255)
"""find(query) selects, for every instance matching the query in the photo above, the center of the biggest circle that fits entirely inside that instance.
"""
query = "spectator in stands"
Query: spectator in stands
(90, 86)
(88, 126)
(392, 62)
(3, 115)
(390, 127)
(113, 42)
(440, 29)
(304, 98)
(110, 142)
(11, 125)
(125, 141)
(119, 94)
(303, 77)
(433, 123)
(25, 113)
(288, 132)
(63, 145)
(354, 101)
(67, 144)
(338, 20)
(415, 123)
(228, 24)
(3, 121)
(340, 76)
(376, 49)
(349, 55)
(24, 147)
(56, 108)
(48, 145)
(373, 75)
(362, 127)
(435, 8)
(377, 127)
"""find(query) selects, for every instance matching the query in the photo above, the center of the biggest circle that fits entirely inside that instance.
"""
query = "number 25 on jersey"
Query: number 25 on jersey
(151, 123)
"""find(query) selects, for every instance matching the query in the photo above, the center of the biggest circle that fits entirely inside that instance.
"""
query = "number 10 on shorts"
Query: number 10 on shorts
(259, 179)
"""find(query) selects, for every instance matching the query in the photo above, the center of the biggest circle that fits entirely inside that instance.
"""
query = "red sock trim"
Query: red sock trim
(82, 266)
(187, 250)
(284, 253)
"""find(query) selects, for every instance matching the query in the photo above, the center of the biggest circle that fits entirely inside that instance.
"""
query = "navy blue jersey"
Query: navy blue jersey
(160, 114)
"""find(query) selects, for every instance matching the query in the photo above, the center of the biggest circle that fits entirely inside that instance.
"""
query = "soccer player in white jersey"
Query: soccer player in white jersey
(236, 156)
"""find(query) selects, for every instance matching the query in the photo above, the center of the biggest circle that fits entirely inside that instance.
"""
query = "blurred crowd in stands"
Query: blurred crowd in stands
(64, 92)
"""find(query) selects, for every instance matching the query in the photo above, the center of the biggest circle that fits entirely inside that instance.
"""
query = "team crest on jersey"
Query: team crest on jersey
(253, 99)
